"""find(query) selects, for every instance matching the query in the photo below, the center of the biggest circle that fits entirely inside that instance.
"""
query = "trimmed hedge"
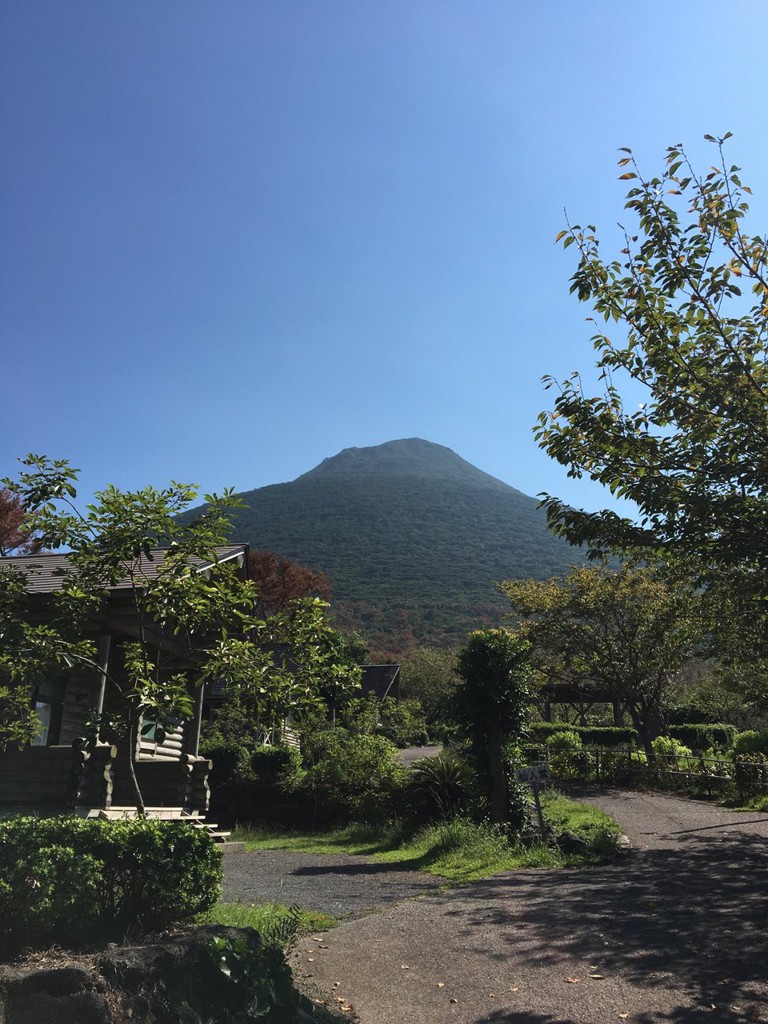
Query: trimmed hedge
(591, 735)
(79, 881)
(704, 737)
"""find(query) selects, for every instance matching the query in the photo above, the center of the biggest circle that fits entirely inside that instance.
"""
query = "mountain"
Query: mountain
(411, 537)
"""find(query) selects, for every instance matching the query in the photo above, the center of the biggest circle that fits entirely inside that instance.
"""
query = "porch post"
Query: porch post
(105, 641)
(193, 735)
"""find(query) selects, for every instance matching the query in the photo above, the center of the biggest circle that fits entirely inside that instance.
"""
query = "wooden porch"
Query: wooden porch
(62, 779)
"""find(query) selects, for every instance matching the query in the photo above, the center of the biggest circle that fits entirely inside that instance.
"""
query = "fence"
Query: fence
(745, 777)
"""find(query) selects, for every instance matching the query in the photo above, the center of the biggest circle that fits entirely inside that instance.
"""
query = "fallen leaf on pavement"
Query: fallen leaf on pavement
(623, 1016)
(441, 984)
(515, 989)
(572, 981)
(452, 1000)
(598, 976)
(405, 967)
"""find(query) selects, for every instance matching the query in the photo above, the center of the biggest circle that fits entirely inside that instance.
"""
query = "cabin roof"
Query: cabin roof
(379, 679)
(46, 573)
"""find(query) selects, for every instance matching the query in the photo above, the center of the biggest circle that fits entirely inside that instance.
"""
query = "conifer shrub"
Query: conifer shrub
(76, 881)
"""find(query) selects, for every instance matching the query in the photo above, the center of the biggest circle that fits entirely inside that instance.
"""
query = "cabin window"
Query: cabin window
(47, 701)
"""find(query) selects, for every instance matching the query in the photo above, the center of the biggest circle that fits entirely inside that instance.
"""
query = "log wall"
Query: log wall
(36, 777)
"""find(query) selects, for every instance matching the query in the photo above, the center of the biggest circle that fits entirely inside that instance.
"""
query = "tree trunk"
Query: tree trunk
(648, 721)
(132, 743)
(497, 776)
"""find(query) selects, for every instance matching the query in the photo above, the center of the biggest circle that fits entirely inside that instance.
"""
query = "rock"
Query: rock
(569, 842)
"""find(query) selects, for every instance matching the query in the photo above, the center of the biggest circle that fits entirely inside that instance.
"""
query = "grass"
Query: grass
(270, 919)
(458, 850)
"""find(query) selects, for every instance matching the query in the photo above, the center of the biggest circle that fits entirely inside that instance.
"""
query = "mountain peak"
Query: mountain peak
(407, 457)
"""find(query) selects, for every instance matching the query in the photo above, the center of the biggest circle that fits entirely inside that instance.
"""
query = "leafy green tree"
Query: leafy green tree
(492, 705)
(211, 615)
(429, 675)
(681, 425)
(628, 631)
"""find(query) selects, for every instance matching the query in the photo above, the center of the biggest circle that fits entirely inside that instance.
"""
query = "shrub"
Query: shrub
(75, 881)
(439, 787)
(275, 764)
(353, 778)
(564, 742)
(670, 753)
(751, 774)
(231, 761)
(703, 737)
(751, 742)
(565, 756)
(591, 735)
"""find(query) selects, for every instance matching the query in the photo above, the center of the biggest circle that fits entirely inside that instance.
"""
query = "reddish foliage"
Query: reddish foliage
(14, 539)
(281, 581)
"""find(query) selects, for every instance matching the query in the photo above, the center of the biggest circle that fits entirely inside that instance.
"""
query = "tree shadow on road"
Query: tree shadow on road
(694, 919)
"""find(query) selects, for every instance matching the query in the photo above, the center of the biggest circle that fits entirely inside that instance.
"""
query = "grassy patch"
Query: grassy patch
(273, 920)
(459, 850)
(593, 826)
(757, 803)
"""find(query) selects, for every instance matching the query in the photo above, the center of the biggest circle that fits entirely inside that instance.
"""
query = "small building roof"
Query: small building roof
(378, 680)
(46, 573)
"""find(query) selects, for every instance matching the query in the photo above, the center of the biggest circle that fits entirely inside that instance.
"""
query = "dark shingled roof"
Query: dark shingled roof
(47, 572)
(379, 679)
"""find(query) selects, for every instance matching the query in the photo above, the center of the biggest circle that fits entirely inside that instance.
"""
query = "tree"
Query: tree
(689, 441)
(429, 675)
(628, 631)
(280, 581)
(492, 704)
(211, 615)
(14, 537)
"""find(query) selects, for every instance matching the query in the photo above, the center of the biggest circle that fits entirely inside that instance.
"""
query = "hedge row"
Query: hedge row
(78, 881)
(591, 735)
(703, 737)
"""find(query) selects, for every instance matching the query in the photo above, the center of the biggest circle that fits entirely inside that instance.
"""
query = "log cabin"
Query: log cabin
(55, 774)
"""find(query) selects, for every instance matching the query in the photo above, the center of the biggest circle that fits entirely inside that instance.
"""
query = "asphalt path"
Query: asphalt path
(677, 931)
(337, 884)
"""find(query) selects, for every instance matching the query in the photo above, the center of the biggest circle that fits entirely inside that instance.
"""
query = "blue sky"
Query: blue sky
(240, 236)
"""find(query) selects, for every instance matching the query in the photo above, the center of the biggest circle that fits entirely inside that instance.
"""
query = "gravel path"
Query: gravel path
(336, 884)
(676, 932)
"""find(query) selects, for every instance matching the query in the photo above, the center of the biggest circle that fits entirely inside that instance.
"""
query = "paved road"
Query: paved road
(410, 755)
(677, 932)
(337, 884)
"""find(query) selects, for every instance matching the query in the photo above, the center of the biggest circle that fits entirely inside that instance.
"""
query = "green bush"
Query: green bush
(76, 881)
(439, 787)
(259, 982)
(565, 754)
(591, 735)
(566, 741)
(751, 742)
(352, 777)
(670, 753)
(274, 764)
(231, 761)
(751, 774)
(703, 737)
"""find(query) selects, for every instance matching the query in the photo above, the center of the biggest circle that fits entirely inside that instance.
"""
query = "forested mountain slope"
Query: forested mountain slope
(411, 537)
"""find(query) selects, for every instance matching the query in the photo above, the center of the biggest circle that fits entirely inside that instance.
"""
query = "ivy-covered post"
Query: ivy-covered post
(492, 707)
